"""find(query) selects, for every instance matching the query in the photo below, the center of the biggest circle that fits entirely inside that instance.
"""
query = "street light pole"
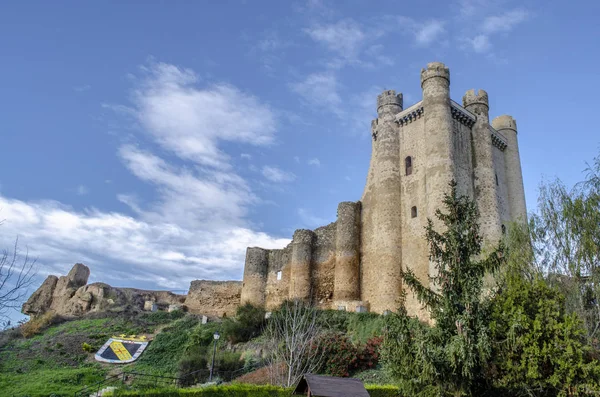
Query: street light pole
(216, 337)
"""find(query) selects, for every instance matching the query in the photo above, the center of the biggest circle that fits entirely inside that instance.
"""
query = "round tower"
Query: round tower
(381, 214)
(255, 276)
(438, 146)
(484, 170)
(507, 126)
(347, 251)
(300, 279)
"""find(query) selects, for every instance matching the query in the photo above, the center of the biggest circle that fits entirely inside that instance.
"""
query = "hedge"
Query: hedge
(242, 390)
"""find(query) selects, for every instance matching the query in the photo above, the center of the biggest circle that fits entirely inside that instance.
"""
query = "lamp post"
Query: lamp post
(216, 337)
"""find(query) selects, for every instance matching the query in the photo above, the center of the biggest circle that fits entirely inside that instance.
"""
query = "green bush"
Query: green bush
(87, 347)
(242, 390)
(235, 390)
(192, 363)
(248, 323)
(382, 391)
(229, 362)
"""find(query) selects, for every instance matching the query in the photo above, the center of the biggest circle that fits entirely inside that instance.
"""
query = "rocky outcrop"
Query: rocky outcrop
(214, 298)
(71, 296)
(40, 301)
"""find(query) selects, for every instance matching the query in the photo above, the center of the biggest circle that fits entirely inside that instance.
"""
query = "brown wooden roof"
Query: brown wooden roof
(329, 386)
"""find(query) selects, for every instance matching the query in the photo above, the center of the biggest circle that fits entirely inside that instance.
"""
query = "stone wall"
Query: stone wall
(214, 298)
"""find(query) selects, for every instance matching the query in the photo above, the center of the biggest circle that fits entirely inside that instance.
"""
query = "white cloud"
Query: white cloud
(315, 161)
(246, 156)
(321, 90)
(296, 159)
(275, 174)
(504, 22)
(344, 37)
(429, 32)
(190, 121)
(193, 225)
(82, 190)
(480, 43)
(424, 33)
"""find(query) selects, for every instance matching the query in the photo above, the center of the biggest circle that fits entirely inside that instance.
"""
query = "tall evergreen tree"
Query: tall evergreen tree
(449, 357)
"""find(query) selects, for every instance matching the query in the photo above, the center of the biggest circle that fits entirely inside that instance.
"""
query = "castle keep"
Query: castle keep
(355, 263)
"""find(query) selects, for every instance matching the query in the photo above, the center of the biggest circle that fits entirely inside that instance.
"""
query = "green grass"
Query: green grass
(57, 382)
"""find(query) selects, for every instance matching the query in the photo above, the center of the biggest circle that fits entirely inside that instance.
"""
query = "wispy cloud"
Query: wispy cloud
(194, 223)
(424, 33)
(314, 161)
(345, 37)
(321, 90)
(82, 190)
(190, 121)
(504, 22)
(246, 156)
(82, 88)
(275, 174)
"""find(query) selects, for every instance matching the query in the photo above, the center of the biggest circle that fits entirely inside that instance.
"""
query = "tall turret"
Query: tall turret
(255, 276)
(484, 172)
(300, 281)
(507, 126)
(381, 219)
(347, 252)
(438, 138)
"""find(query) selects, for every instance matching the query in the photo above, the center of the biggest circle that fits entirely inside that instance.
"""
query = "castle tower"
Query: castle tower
(438, 148)
(507, 126)
(485, 177)
(300, 280)
(347, 253)
(380, 217)
(255, 276)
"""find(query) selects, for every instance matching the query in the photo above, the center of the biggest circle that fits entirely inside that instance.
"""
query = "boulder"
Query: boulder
(39, 302)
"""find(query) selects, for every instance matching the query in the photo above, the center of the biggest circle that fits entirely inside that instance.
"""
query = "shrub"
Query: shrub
(229, 362)
(235, 390)
(87, 347)
(382, 391)
(368, 356)
(192, 363)
(340, 355)
(248, 323)
(37, 325)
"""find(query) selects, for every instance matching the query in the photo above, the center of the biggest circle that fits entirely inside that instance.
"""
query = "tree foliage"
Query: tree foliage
(450, 355)
(539, 349)
(566, 233)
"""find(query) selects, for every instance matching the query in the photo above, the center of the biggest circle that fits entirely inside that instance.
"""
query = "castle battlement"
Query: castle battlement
(355, 263)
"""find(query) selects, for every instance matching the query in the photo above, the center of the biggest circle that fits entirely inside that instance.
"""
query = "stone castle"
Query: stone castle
(355, 263)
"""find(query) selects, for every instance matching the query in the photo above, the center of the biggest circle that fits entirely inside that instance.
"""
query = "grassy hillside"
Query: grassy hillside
(54, 360)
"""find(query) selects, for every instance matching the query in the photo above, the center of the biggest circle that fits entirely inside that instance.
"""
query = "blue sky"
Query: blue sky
(155, 141)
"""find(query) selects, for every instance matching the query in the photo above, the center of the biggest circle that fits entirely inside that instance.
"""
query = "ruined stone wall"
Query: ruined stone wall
(347, 253)
(323, 265)
(255, 276)
(214, 298)
(277, 290)
(463, 154)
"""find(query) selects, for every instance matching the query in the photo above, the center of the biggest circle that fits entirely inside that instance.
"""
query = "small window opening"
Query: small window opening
(503, 229)
(279, 275)
(413, 212)
(496, 179)
(408, 165)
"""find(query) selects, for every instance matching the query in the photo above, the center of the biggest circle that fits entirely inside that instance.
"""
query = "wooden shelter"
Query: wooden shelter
(329, 386)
